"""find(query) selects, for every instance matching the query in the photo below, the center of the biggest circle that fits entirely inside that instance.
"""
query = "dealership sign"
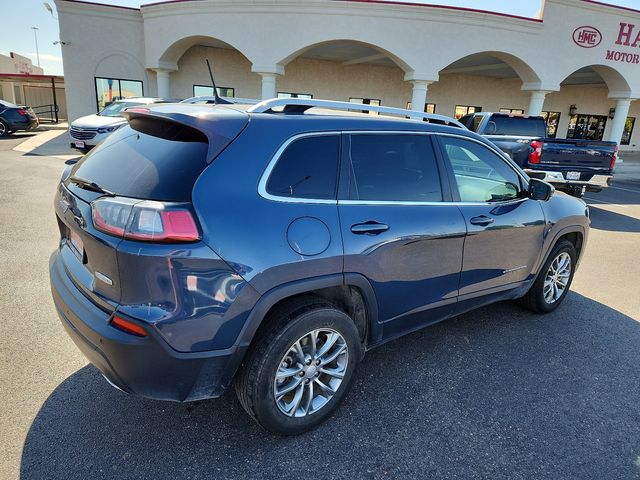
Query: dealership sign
(628, 36)
(587, 37)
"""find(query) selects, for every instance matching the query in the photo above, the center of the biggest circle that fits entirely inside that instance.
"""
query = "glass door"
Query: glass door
(587, 127)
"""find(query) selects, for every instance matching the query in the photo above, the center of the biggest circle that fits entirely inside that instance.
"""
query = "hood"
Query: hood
(95, 121)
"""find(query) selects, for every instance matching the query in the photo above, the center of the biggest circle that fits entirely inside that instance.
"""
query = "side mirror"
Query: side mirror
(539, 190)
(491, 128)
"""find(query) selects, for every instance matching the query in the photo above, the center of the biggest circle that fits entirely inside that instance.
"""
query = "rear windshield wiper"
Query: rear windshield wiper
(87, 185)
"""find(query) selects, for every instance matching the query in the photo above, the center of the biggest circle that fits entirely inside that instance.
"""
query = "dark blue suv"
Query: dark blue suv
(270, 247)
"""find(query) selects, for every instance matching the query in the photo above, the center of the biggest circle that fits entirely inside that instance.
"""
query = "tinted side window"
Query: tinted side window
(475, 126)
(481, 175)
(465, 120)
(394, 168)
(308, 168)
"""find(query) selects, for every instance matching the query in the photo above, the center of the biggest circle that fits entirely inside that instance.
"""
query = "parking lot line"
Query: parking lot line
(626, 189)
(608, 203)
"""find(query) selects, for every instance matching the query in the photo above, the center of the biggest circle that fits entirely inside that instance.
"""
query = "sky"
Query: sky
(18, 16)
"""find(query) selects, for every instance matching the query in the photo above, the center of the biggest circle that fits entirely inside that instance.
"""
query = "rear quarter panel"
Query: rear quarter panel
(250, 232)
(518, 149)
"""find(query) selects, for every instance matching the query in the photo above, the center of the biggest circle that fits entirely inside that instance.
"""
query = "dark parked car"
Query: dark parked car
(571, 165)
(14, 118)
(270, 248)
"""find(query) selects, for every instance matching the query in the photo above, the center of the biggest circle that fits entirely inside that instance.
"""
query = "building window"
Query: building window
(206, 91)
(428, 107)
(628, 131)
(111, 89)
(366, 101)
(552, 119)
(306, 96)
(462, 110)
(517, 111)
(589, 127)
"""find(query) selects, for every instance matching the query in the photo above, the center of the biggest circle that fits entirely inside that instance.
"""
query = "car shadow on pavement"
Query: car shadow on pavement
(56, 147)
(615, 222)
(496, 393)
(14, 136)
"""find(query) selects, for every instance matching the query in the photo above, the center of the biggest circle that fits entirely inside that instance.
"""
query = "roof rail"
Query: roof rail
(300, 105)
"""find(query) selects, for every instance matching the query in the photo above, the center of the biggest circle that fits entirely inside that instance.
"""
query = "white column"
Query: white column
(536, 102)
(268, 85)
(164, 82)
(9, 92)
(419, 95)
(619, 119)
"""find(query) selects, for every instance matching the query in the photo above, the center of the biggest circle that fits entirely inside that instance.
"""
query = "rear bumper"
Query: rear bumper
(24, 125)
(144, 366)
(594, 184)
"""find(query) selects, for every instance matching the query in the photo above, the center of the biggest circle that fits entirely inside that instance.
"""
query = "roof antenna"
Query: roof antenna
(216, 97)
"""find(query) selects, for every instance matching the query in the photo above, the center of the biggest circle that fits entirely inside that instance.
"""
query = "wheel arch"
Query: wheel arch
(350, 292)
(575, 234)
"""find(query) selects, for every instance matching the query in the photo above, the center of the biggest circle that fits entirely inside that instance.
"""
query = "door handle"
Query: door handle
(482, 220)
(369, 228)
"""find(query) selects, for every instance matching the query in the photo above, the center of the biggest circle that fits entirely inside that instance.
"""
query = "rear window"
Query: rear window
(308, 168)
(150, 159)
(7, 104)
(516, 126)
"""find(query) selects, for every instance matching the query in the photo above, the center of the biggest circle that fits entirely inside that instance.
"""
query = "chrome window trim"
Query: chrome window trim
(262, 185)
(429, 204)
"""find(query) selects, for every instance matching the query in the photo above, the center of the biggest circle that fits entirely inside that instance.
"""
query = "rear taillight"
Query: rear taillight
(614, 158)
(536, 153)
(22, 112)
(144, 220)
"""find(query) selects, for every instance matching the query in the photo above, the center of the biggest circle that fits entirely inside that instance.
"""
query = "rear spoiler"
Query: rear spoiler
(220, 126)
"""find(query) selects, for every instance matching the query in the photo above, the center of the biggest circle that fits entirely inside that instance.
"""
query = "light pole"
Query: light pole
(35, 34)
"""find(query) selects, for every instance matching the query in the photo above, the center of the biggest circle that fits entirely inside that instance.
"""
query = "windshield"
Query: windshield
(7, 104)
(115, 108)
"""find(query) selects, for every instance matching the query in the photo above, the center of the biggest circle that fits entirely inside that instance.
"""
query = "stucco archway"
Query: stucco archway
(601, 97)
(182, 68)
(343, 69)
(332, 48)
(497, 64)
(595, 75)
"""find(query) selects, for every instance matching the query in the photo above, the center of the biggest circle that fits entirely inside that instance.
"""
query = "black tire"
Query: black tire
(254, 383)
(576, 192)
(4, 129)
(534, 299)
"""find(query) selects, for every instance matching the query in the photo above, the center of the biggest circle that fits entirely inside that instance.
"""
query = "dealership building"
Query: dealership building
(577, 64)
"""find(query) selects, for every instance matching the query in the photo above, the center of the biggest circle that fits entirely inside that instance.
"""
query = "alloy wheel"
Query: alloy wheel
(311, 372)
(557, 278)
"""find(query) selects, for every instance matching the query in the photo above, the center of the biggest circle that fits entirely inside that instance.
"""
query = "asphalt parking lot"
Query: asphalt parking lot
(496, 393)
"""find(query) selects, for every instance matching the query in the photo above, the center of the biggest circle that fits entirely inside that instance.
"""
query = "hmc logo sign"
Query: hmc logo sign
(628, 36)
(587, 37)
